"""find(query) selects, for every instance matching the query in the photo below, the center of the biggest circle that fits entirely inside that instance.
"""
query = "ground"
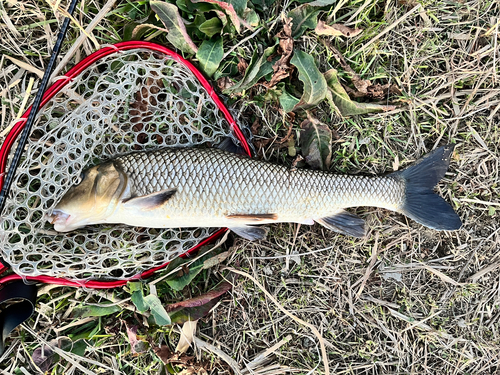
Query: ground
(403, 299)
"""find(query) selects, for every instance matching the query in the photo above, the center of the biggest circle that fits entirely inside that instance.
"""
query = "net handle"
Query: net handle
(12, 136)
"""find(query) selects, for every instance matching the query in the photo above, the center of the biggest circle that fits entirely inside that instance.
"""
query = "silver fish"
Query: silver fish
(175, 188)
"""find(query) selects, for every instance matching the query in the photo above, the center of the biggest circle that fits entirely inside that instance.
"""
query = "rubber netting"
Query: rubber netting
(128, 101)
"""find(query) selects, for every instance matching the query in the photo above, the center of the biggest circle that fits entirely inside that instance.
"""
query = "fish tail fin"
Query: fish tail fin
(420, 202)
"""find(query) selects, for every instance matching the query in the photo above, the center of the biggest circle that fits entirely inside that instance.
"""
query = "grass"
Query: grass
(405, 299)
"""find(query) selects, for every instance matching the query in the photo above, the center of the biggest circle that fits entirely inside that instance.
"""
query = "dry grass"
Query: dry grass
(405, 299)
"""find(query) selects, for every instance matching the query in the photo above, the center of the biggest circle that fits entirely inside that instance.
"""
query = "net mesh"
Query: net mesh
(134, 100)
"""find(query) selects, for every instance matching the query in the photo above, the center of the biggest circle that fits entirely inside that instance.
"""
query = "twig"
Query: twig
(297, 319)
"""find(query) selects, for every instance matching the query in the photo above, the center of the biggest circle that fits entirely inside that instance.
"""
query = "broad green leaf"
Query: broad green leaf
(211, 27)
(228, 8)
(177, 35)
(239, 6)
(303, 17)
(79, 347)
(251, 17)
(134, 286)
(138, 300)
(90, 310)
(157, 310)
(198, 307)
(316, 143)
(288, 101)
(257, 68)
(315, 87)
(210, 55)
(340, 101)
(180, 282)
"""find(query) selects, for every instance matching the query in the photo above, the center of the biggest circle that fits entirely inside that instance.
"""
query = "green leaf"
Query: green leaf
(257, 68)
(340, 101)
(177, 35)
(180, 282)
(210, 55)
(90, 310)
(239, 6)
(303, 17)
(315, 87)
(316, 143)
(211, 27)
(228, 8)
(138, 300)
(79, 347)
(157, 310)
(251, 17)
(198, 307)
(134, 286)
(288, 101)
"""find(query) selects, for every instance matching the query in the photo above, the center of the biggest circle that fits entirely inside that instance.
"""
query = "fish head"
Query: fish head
(92, 200)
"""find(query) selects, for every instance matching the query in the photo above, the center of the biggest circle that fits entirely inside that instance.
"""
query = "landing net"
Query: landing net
(131, 100)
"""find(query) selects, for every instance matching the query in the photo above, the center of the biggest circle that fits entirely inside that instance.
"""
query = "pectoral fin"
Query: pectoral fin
(344, 222)
(151, 201)
(250, 233)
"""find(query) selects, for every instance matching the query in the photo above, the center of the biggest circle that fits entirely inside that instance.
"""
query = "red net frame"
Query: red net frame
(53, 90)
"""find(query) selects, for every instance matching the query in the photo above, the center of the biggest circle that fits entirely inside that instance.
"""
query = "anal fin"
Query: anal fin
(151, 201)
(344, 222)
(250, 233)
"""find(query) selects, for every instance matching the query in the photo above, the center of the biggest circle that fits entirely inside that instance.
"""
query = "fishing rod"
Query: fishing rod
(34, 108)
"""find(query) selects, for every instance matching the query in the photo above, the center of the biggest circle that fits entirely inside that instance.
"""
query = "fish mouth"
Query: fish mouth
(60, 220)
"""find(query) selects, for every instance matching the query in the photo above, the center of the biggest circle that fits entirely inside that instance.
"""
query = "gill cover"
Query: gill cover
(92, 200)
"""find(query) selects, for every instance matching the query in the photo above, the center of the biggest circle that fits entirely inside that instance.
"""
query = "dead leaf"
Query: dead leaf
(282, 67)
(336, 30)
(43, 357)
(242, 65)
(363, 87)
(224, 83)
(136, 345)
(201, 300)
(316, 143)
(256, 126)
(186, 365)
(187, 336)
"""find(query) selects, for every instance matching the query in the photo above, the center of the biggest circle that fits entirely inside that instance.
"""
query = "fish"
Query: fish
(211, 187)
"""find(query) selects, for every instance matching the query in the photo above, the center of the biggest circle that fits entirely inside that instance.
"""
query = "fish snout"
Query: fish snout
(60, 220)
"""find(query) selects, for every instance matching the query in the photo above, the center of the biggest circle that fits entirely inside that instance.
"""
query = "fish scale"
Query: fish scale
(213, 181)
